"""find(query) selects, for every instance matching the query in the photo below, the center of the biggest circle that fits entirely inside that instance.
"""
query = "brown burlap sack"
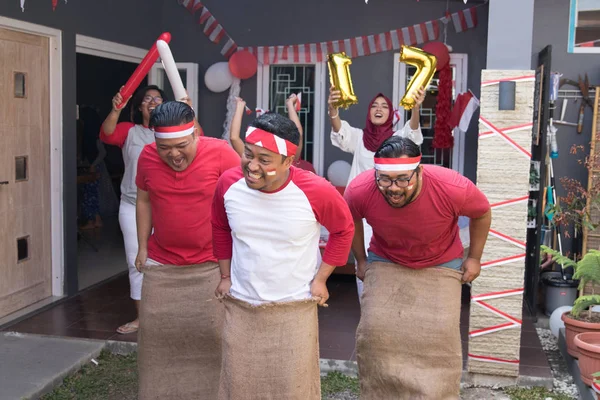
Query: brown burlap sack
(270, 352)
(179, 340)
(408, 342)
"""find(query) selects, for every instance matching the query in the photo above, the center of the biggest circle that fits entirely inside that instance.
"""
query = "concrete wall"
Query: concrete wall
(551, 24)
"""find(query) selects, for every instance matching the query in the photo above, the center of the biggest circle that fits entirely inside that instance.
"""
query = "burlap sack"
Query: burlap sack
(179, 340)
(408, 339)
(270, 352)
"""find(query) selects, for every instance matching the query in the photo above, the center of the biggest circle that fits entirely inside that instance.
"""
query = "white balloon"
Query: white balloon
(556, 323)
(218, 78)
(338, 173)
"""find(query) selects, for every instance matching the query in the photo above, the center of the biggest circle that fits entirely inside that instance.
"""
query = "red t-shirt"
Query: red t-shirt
(181, 201)
(423, 233)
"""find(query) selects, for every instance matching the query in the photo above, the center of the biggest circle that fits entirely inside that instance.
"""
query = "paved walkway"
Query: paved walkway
(32, 365)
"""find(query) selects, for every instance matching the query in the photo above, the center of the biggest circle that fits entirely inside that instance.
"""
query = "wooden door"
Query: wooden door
(25, 234)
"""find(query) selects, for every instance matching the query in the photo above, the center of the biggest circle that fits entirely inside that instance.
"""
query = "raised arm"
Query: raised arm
(293, 115)
(236, 127)
(110, 123)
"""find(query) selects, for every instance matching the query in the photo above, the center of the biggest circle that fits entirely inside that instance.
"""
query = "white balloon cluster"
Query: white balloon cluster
(218, 77)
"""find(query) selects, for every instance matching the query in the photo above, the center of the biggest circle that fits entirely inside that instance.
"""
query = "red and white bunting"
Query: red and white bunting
(465, 19)
(212, 28)
(316, 52)
(361, 45)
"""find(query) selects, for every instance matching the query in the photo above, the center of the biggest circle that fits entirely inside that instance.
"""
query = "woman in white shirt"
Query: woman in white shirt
(364, 142)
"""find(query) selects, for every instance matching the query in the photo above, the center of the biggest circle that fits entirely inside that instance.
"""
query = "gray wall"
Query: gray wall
(551, 24)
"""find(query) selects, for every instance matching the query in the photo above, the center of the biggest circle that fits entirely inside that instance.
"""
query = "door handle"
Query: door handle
(4, 183)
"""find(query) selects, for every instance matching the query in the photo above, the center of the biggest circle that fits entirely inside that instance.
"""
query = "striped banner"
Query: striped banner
(362, 45)
(213, 30)
(317, 52)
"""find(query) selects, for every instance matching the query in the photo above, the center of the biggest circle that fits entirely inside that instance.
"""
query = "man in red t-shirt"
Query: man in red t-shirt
(180, 322)
(408, 339)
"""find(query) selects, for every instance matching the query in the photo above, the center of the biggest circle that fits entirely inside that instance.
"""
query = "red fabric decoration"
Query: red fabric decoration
(243, 64)
(440, 51)
(442, 138)
(54, 4)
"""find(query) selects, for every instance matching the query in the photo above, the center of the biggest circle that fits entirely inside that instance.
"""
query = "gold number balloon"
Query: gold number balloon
(425, 64)
(339, 75)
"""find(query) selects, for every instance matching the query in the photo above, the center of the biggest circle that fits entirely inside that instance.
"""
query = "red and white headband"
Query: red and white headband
(397, 164)
(173, 132)
(269, 141)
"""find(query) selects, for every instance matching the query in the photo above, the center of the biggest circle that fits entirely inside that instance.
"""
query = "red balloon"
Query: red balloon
(440, 51)
(243, 64)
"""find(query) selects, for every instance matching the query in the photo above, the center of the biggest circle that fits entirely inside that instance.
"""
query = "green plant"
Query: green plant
(587, 270)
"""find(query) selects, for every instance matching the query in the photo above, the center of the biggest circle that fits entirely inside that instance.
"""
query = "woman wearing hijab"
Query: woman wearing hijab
(364, 142)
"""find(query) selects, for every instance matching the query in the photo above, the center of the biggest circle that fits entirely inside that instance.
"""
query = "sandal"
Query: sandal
(129, 327)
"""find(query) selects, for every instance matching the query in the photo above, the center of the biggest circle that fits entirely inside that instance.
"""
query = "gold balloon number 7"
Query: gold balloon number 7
(425, 64)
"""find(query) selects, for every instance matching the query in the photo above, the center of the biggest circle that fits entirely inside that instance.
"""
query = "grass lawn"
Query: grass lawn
(115, 378)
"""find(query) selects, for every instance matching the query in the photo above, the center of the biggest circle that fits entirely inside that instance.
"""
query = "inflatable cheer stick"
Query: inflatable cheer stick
(171, 69)
(142, 70)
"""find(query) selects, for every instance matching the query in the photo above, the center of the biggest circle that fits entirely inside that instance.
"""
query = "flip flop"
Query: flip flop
(127, 328)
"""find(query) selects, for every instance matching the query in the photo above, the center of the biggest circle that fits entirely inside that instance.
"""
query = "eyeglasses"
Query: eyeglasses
(386, 182)
(148, 99)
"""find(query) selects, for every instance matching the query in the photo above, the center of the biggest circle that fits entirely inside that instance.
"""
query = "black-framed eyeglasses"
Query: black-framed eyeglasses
(148, 99)
(386, 182)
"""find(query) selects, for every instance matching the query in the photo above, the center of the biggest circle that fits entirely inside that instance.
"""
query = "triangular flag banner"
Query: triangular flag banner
(413, 35)
(212, 28)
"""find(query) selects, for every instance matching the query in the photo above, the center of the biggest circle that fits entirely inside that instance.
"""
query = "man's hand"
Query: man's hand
(318, 290)
(361, 269)
(223, 288)
(471, 269)
(140, 260)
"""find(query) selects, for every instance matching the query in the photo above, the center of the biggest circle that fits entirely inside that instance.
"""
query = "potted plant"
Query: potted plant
(588, 345)
(581, 318)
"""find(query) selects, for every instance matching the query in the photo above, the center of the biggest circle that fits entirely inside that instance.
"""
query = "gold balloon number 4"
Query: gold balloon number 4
(425, 64)
(339, 75)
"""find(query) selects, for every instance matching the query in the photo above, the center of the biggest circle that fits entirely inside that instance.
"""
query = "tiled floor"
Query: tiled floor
(97, 312)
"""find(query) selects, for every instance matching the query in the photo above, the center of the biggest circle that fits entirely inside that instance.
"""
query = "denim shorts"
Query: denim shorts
(455, 264)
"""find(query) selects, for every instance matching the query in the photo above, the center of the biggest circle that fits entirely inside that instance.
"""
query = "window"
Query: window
(584, 26)
(20, 85)
(276, 82)
(23, 248)
(285, 80)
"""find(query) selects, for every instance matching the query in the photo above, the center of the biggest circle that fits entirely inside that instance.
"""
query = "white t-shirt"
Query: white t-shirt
(272, 238)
